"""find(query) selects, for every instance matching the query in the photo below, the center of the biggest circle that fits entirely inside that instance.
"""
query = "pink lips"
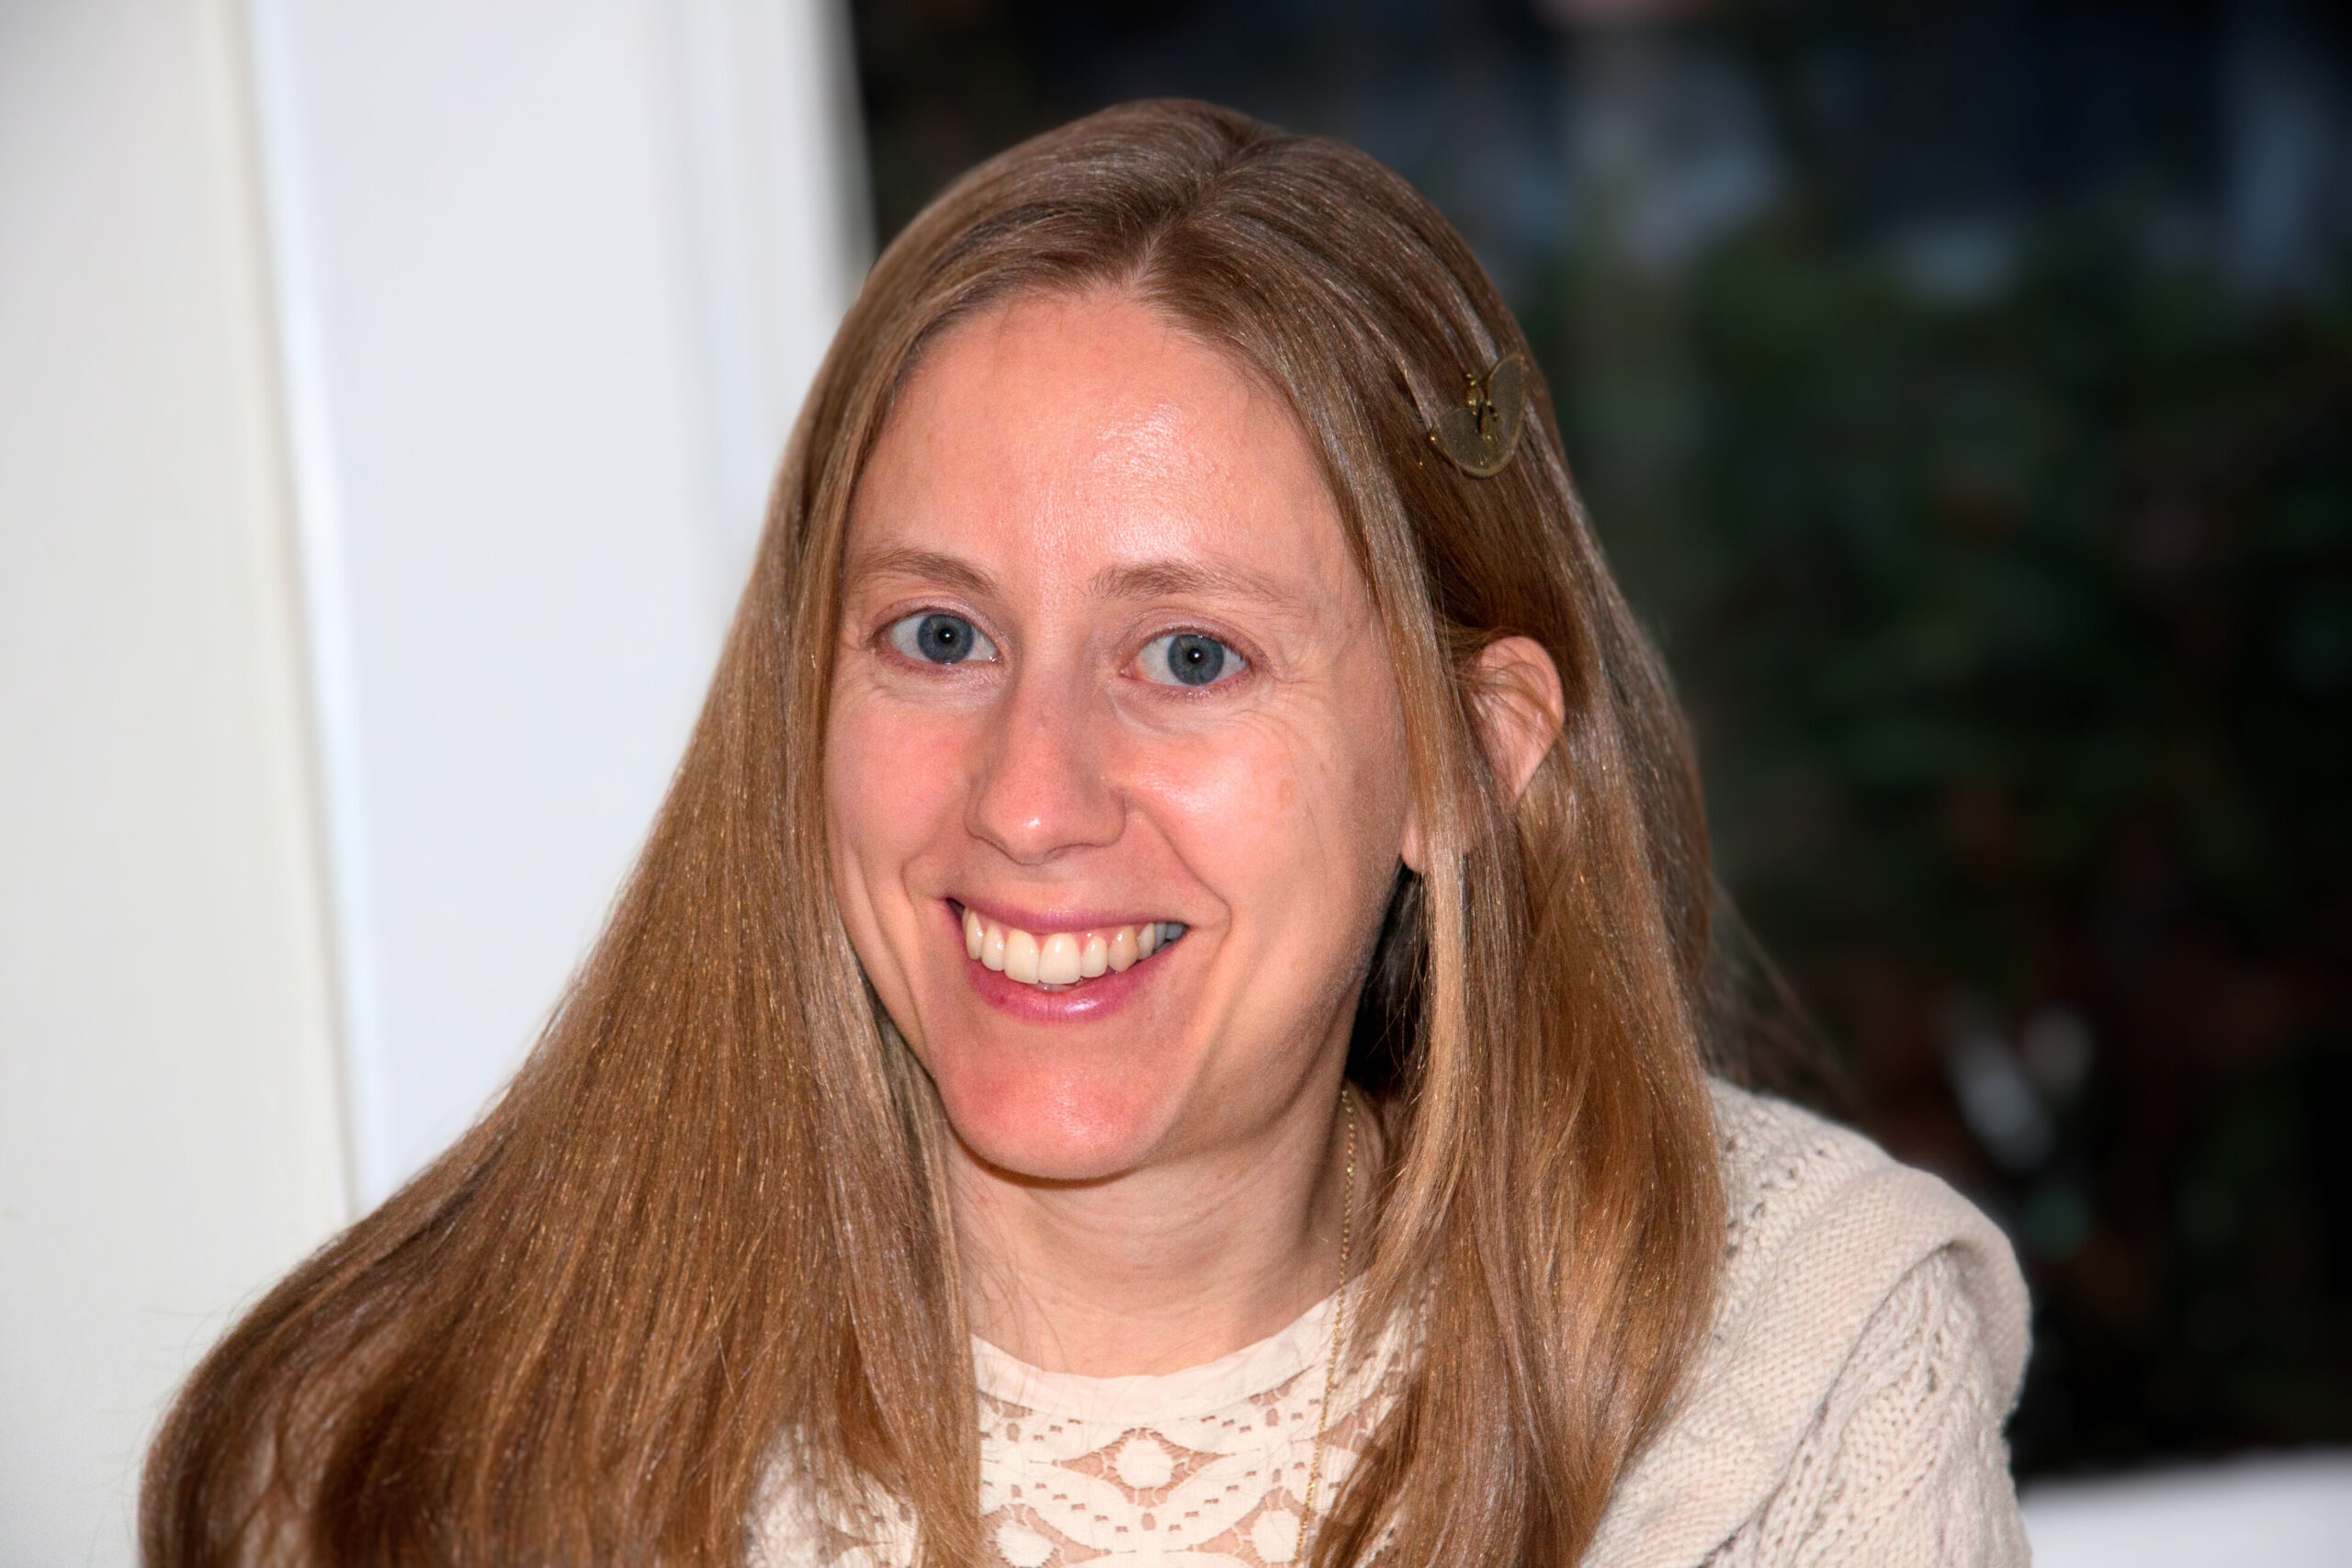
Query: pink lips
(1094, 998)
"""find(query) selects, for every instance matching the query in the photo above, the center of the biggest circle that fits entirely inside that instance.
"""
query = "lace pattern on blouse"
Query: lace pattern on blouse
(1205, 1468)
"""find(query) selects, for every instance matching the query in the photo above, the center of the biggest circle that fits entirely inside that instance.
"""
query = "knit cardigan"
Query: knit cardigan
(1869, 1339)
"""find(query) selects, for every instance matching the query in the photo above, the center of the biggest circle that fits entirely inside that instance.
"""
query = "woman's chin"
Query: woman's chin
(1056, 1126)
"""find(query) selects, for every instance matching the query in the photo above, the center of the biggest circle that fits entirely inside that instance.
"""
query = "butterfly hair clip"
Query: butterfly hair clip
(1482, 431)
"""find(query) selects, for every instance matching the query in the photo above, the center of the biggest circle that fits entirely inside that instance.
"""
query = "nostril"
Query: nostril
(1042, 791)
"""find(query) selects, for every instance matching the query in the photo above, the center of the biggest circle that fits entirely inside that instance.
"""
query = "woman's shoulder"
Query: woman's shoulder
(1867, 1318)
(1820, 1219)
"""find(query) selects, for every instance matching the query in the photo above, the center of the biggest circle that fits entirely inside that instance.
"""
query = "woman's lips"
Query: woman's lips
(1057, 959)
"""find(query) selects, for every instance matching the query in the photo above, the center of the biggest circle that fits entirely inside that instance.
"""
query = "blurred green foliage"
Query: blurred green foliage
(2018, 632)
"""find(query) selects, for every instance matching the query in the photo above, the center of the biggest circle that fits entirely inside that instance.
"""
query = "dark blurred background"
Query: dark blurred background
(1965, 395)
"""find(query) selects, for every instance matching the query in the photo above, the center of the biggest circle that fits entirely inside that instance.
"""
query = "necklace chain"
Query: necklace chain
(1339, 1330)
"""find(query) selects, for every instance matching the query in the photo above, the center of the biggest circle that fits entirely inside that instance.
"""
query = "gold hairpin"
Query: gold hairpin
(1482, 432)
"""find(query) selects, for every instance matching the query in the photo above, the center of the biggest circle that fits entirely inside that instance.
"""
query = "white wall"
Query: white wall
(555, 275)
(387, 392)
(168, 1131)
(2289, 1510)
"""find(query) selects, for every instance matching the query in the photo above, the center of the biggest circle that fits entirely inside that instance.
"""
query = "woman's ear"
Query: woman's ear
(1520, 711)
(1520, 708)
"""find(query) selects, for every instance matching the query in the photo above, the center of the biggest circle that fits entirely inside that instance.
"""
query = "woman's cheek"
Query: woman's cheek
(1232, 806)
(890, 771)
(852, 771)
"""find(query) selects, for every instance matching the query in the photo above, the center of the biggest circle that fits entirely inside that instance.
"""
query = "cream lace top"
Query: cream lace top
(1204, 1466)
(1847, 1409)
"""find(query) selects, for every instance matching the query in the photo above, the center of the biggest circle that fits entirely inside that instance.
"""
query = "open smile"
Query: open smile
(1056, 961)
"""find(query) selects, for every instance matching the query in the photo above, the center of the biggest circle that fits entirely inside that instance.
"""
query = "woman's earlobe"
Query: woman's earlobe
(1521, 709)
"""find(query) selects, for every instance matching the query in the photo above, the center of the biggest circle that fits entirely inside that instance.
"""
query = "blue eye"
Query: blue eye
(939, 639)
(1189, 659)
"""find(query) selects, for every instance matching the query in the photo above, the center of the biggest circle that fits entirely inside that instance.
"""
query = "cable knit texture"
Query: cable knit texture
(1845, 1410)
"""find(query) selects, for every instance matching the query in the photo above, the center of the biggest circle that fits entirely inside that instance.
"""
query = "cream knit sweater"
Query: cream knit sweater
(1845, 1410)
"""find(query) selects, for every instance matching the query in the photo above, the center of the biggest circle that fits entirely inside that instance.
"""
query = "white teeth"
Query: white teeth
(1057, 961)
(1063, 958)
(1021, 957)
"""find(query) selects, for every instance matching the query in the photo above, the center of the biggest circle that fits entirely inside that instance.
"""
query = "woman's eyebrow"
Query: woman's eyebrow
(1165, 579)
(932, 565)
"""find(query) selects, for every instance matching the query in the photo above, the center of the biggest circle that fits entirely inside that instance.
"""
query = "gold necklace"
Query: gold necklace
(1339, 1330)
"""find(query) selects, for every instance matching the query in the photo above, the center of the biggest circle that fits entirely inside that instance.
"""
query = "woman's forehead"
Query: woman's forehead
(1095, 439)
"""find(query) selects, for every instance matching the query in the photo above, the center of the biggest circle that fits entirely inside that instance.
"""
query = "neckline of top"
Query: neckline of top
(1212, 1387)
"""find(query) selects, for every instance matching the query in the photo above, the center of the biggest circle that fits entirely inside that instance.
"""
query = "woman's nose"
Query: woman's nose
(1042, 789)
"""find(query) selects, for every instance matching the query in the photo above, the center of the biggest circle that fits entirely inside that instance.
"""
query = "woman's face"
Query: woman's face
(1108, 673)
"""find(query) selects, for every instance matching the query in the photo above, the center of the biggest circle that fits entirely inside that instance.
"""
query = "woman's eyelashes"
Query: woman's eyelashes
(1184, 660)
(1189, 659)
(936, 637)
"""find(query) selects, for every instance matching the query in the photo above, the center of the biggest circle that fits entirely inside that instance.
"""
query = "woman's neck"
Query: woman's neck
(1168, 1267)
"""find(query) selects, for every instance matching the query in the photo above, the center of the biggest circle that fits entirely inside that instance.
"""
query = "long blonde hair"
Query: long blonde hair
(705, 1223)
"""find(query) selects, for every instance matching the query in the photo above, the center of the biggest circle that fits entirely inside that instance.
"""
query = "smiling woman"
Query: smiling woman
(1147, 694)
(1162, 1016)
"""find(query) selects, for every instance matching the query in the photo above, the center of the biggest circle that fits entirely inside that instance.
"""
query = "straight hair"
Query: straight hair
(704, 1231)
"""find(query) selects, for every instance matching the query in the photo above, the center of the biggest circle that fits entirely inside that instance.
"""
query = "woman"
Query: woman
(1162, 1014)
